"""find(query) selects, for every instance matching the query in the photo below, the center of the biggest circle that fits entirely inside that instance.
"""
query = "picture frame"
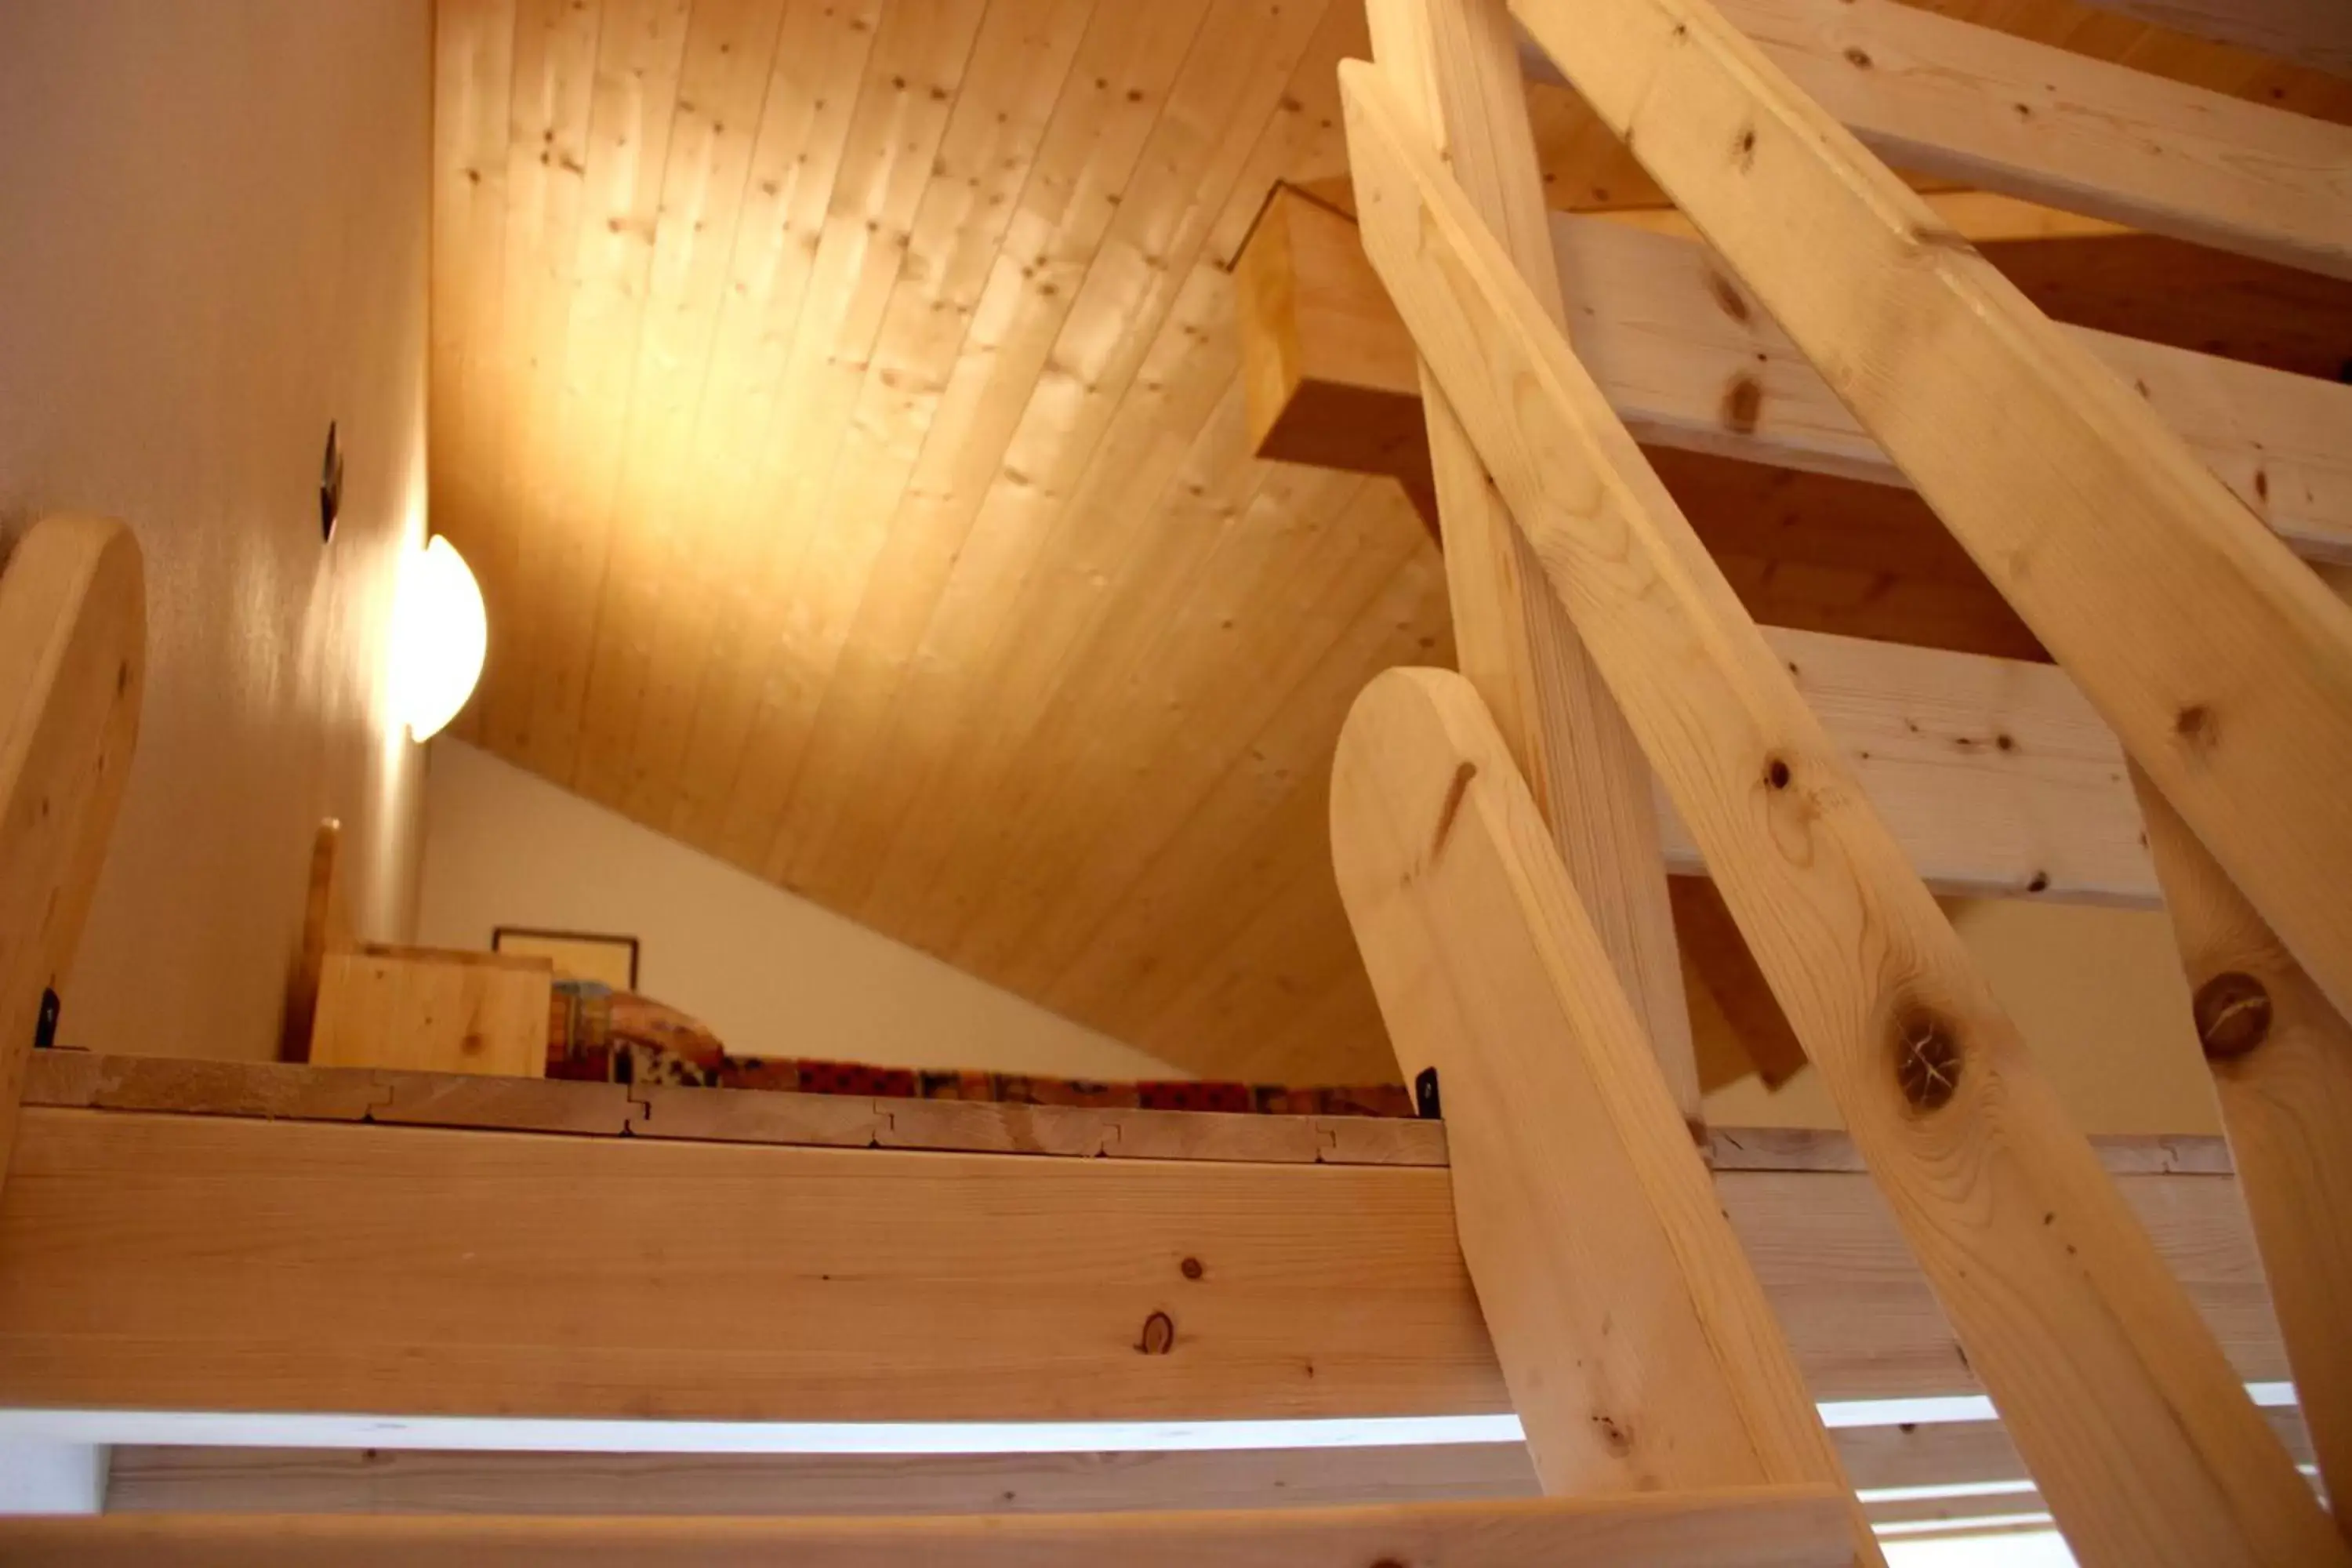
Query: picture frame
(605, 958)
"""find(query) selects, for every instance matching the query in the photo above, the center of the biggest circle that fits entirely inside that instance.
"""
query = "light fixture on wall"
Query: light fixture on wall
(439, 632)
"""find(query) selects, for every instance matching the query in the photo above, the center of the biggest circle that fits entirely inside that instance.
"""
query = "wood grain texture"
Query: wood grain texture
(73, 660)
(1987, 109)
(431, 1010)
(1640, 1352)
(2225, 667)
(2314, 33)
(1778, 1528)
(2112, 1388)
(955, 599)
(175, 1479)
(1454, 67)
(1690, 361)
(1325, 1289)
(2282, 1060)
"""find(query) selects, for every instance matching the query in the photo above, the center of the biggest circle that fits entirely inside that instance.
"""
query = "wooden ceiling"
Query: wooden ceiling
(838, 401)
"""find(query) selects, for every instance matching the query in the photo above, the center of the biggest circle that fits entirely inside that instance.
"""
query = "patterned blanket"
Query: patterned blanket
(617, 1036)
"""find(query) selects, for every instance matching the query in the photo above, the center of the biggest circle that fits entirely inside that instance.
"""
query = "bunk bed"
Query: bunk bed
(1661, 1315)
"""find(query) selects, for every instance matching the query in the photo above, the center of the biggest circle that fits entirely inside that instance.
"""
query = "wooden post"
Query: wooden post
(1639, 1349)
(1457, 64)
(2139, 1435)
(73, 656)
(2282, 1060)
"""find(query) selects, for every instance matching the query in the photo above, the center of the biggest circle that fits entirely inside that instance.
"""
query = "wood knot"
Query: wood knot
(2234, 1015)
(1776, 772)
(1858, 58)
(1743, 404)
(2195, 726)
(1743, 150)
(1926, 1060)
(1728, 297)
(1192, 1269)
(1158, 1335)
(1614, 1436)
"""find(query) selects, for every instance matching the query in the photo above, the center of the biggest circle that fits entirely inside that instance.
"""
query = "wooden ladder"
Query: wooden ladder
(1498, 851)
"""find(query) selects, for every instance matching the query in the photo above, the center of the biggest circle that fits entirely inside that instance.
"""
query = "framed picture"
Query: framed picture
(577, 955)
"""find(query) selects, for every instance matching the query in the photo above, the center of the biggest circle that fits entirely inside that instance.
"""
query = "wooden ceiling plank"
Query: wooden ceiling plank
(473, 73)
(2101, 1369)
(821, 54)
(1931, 93)
(573, 469)
(1780, 1527)
(518, 438)
(1086, 943)
(1211, 118)
(1101, 726)
(1208, 879)
(659, 516)
(1097, 573)
(1020, 60)
(819, 1299)
(904, 98)
(1099, 125)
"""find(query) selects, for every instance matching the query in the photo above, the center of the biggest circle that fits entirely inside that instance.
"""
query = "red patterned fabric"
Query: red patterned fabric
(617, 1036)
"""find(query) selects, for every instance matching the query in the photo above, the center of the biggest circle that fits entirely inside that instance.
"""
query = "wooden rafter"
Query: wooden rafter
(2109, 1384)
(1689, 360)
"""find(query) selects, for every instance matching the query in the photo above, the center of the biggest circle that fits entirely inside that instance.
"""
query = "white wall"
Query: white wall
(213, 240)
(2100, 998)
(771, 974)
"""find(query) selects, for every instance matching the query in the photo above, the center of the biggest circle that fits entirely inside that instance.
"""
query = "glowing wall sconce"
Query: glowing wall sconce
(439, 632)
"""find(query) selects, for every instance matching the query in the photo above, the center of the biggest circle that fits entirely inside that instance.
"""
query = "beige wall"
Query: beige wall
(212, 239)
(2100, 998)
(771, 974)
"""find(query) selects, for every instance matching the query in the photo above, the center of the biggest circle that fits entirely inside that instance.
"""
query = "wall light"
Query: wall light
(439, 632)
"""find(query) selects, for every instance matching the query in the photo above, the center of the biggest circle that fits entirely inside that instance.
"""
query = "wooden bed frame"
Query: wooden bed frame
(294, 1240)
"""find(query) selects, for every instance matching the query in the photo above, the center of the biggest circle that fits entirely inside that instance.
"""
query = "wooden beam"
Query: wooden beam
(2314, 33)
(73, 662)
(1690, 361)
(2282, 1060)
(1458, 63)
(2109, 1384)
(188, 1479)
(415, 1271)
(1987, 109)
(1640, 1351)
(2225, 667)
(1779, 1528)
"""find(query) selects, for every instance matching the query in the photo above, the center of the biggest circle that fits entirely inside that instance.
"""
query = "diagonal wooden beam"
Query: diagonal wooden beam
(1459, 61)
(1638, 1348)
(2118, 1398)
(73, 663)
(2282, 1060)
(1985, 108)
(2224, 665)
